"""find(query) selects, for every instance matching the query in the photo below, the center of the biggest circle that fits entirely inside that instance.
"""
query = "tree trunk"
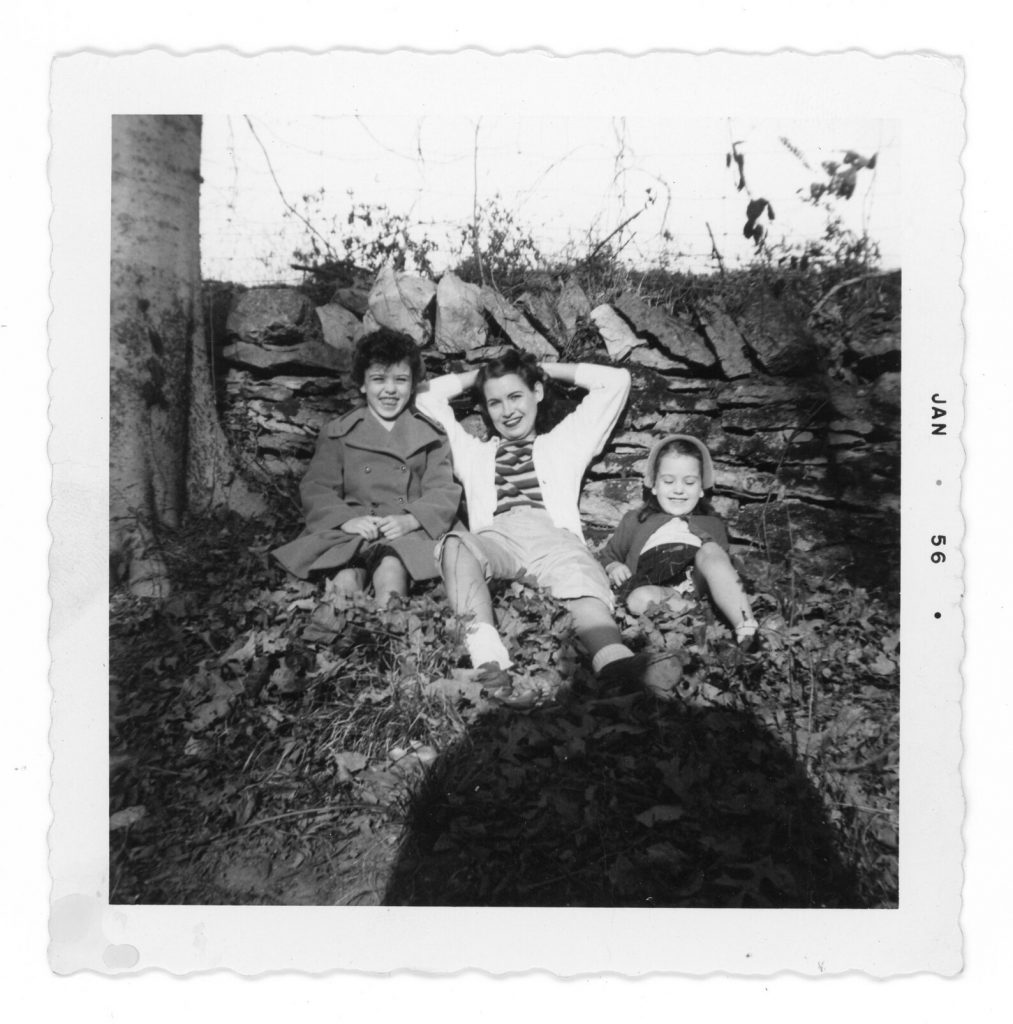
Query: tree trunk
(167, 451)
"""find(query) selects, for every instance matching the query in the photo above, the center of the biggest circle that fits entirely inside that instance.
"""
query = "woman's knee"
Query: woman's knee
(457, 558)
(451, 548)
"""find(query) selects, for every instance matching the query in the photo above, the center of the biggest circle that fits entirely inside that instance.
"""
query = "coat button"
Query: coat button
(367, 469)
(404, 468)
(400, 501)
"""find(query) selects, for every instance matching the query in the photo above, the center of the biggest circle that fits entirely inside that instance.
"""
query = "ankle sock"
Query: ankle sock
(608, 654)
(484, 645)
(746, 630)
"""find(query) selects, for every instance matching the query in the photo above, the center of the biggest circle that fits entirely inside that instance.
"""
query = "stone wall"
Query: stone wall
(798, 400)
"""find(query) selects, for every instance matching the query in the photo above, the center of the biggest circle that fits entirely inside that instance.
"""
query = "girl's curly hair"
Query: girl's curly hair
(385, 347)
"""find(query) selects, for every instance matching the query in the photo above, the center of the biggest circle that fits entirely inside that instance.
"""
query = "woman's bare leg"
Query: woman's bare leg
(596, 628)
(467, 589)
(468, 595)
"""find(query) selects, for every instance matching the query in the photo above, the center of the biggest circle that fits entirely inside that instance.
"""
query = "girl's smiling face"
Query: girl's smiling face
(388, 389)
(512, 406)
(678, 484)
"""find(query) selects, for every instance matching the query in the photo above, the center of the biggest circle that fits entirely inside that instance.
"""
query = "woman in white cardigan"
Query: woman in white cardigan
(522, 489)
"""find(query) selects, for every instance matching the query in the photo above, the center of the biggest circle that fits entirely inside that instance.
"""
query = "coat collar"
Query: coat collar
(421, 430)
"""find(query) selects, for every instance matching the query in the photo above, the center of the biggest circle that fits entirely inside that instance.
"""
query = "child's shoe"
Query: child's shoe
(490, 676)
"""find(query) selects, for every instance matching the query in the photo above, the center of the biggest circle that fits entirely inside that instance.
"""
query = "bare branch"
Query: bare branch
(277, 184)
(474, 209)
(715, 251)
(612, 234)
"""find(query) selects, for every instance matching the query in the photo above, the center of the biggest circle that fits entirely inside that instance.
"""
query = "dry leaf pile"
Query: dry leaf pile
(272, 742)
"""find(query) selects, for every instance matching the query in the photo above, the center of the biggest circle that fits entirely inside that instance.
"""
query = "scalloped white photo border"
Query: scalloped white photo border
(920, 91)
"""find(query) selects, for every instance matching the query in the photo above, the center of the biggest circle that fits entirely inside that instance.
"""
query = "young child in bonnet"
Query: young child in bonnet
(674, 544)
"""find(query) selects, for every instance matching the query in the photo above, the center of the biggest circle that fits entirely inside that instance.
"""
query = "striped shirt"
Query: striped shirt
(516, 482)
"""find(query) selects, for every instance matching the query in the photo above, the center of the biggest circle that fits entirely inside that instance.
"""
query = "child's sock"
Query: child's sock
(608, 654)
(746, 630)
(484, 645)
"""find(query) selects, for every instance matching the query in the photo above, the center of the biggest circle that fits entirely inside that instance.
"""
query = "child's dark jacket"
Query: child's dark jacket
(631, 535)
(361, 469)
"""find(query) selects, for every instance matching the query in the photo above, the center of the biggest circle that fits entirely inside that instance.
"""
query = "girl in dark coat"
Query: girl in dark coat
(380, 490)
(674, 545)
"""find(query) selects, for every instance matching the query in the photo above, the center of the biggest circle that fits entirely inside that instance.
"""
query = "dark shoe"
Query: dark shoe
(657, 673)
(490, 675)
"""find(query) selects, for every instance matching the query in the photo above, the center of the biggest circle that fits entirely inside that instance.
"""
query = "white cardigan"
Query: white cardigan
(561, 456)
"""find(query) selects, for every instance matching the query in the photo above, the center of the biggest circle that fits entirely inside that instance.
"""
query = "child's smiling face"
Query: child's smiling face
(678, 484)
(388, 389)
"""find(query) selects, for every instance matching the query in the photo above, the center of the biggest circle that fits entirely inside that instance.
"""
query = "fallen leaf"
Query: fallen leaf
(659, 813)
(454, 689)
(285, 680)
(127, 817)
(883, 666)
(197, 748)
(350, 760)
(241, 651)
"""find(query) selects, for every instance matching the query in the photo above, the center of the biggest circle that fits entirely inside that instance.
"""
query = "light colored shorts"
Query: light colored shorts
(525, 542)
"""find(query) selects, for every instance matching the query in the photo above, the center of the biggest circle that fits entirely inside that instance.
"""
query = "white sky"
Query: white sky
(563, 178)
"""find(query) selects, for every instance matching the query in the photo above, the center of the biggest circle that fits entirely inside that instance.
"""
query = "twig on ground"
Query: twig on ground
(316, 812)
(868, 762)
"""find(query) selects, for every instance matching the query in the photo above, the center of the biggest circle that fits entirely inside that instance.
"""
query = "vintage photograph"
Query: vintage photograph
(547, 556)
(505, 508)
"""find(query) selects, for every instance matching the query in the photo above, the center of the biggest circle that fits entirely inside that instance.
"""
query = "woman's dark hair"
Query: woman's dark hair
(651, 505)
(525, 366)
(385, 347)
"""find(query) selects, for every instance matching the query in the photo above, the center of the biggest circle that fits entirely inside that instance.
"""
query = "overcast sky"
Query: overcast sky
(567, 181)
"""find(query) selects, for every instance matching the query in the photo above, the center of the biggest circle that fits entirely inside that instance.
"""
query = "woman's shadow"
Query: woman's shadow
(619, 802)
